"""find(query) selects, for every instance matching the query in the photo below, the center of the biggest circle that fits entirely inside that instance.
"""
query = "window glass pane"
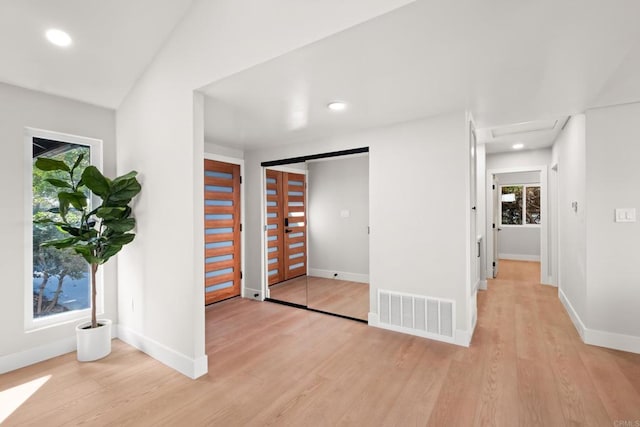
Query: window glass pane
(533, 205)
(60, 278)
(511, 200)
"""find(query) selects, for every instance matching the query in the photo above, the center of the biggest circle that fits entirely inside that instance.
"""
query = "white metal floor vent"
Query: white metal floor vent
(420, 315)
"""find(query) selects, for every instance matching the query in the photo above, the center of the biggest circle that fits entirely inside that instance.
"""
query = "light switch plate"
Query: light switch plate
(625, 214)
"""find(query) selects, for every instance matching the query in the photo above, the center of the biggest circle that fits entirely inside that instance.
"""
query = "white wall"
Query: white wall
(212, 148)
(520, 243)
(519, 158)
(569, 153)
(613, 174)
(160, 133)
(20, 108)
(339, 244)
(427, 257)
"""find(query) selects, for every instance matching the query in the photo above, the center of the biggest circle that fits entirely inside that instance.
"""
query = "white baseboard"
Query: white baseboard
(341, 275)
(13, 361)
(483, 285)
(192, 368)
(548, 280)
(575, 318)
(38, 354)
(613, 340)
(519, 257)
(605, 339)
(251, 294)
(461, 338)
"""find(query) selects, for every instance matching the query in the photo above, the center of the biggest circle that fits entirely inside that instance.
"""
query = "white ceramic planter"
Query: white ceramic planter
(93, 344)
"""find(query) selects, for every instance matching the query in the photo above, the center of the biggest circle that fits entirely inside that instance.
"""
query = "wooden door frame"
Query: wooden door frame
(263, 223)
(545, 277)
(240, 162)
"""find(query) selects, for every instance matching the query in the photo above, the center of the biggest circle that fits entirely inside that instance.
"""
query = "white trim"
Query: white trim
(573, 314)
(482, 285)
(284, 168)
(613, 340)
(95, 147)
(519, 257)
(250, 293)
(240, 162)
(264, 276)
(463, 338)
(192, 368)
(605, 339)
(342, 275)
(38, 354)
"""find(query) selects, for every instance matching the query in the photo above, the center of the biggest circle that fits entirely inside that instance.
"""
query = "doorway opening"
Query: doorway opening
(517, 221)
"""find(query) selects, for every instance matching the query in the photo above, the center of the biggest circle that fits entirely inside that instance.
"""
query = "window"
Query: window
(59, 288)
(520, 203)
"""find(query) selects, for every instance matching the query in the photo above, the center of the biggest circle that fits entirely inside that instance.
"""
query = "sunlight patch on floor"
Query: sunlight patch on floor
(12, 398)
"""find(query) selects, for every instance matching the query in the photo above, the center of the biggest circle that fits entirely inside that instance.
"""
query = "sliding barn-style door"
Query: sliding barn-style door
(222, 229)
(286, 226)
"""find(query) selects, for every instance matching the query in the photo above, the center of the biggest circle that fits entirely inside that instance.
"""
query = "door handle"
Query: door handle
(499, 229)
(287, 231)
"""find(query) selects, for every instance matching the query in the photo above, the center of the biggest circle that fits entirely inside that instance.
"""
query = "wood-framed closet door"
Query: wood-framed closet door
(295, 223)
(222, 231)
(275, 227)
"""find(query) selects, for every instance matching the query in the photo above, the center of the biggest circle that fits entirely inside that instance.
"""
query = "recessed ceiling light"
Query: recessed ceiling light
(58, 37)
(337, 106)
(518, 146)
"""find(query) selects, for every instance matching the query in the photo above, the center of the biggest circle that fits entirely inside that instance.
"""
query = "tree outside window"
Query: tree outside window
(60, 278)
(520, 203)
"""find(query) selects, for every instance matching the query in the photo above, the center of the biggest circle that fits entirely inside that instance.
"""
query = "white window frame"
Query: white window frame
(524, 205)
(31, 324)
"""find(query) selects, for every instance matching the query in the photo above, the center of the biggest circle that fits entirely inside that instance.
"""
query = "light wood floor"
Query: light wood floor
(331, 295)
(275, 365)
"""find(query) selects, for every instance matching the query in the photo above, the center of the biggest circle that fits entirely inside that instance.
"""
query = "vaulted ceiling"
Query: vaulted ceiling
(113, 42)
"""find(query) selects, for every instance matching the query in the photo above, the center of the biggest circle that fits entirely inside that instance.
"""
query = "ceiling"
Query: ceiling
(507, 62)
(530, 135)
(114, 41)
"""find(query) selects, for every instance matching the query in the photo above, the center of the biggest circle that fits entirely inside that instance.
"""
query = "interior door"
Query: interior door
(496, 224)
(295, 225)
(222, 229)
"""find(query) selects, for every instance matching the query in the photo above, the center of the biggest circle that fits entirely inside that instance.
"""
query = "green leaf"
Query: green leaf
(87, 254)
(61, 243)
(74, 231)
(121, 239)
(96, 182)
(78, 200)
(110, 251)
(58, 183)
(125, 177)
(125, 187)
(46, 164)
(121, 226)
(77, 162)
(110, 213)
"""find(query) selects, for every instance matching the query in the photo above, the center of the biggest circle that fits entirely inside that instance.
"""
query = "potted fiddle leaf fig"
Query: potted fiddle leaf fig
(96, 233)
